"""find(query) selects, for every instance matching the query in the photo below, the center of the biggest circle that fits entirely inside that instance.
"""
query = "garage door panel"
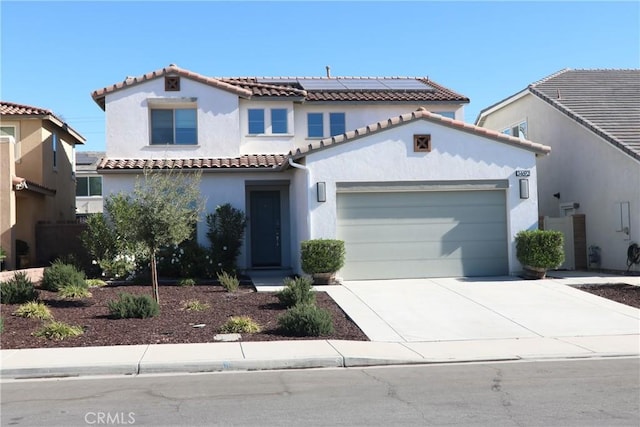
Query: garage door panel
(423, 234)
(427, 251)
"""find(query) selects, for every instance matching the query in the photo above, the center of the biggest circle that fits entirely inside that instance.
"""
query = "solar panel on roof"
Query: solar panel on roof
(277, 80)
(407, 84)
(363, 84)
(321, 84)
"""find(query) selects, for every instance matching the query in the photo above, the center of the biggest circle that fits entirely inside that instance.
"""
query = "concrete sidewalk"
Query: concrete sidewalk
(409, 322)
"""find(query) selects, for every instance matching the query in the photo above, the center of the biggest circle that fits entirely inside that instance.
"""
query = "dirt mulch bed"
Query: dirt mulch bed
(619, 292)
(173, 325)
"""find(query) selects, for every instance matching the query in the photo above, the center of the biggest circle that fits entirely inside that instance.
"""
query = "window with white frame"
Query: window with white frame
(174, 126)
(10, 130)
(337, 125)
(258, 118)
(315, 124)
(518, 130)
(88, 186)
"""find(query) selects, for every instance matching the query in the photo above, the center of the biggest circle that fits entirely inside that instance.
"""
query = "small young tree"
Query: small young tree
(167, 207)
(226, 230)
(162, 210)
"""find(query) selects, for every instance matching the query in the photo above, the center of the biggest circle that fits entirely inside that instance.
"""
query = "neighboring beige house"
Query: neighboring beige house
(88, 183)
(384, 163)
(591, 121)
(37, 177)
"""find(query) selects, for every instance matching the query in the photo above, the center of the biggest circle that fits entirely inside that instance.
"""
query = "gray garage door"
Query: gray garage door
(423, 234)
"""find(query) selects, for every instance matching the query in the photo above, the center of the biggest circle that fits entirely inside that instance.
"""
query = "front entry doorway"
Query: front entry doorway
(266, 228)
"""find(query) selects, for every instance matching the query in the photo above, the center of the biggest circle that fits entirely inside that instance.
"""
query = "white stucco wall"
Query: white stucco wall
(128, 128)
(455, 156)
(584, 169)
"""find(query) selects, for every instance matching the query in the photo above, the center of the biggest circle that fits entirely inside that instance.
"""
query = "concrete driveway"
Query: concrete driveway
(453, 309)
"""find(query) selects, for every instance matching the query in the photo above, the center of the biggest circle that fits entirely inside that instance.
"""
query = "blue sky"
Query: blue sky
(54, 54)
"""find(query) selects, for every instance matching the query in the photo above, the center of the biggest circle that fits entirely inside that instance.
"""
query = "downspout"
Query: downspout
(307, 173)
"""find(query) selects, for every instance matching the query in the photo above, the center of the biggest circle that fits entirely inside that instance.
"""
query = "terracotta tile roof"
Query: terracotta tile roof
(605, 101)
(309, 89)
(13, 109)
(99, 94)
(253, 161)
(10, 108)
(420, 114)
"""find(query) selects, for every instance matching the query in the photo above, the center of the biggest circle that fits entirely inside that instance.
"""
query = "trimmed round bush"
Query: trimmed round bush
(17, 290)
(240, 325)
(296, 291)
(34, 310)
(306, 320)
(540, 248)
(133, 306)
(322, 255)
(61, 274)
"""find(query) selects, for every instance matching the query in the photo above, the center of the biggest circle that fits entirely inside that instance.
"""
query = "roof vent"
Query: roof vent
(559, 96)
(328, 71)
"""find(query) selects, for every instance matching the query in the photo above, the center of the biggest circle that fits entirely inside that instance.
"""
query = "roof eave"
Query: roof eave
(499, 105)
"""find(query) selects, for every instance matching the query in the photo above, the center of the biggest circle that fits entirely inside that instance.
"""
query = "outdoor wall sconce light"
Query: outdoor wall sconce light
(321, 188)
(524, 188)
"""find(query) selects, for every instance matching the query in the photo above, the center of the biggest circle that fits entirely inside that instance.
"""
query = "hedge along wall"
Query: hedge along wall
(58, 240)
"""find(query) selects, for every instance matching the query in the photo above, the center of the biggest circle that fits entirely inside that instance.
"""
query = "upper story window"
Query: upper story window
(174, 126)
(259, 117)
(279, 120)
(519, 130)
(337, 125)
(6, 130)
(449, 114)
(54, 144)
(315, 125)
(88, 186)
(256, 121)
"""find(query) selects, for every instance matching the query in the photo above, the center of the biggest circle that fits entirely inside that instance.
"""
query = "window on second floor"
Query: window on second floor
(256, 121)
(279, 120)
(54, 143)
(519, 130)
(174, 126)
(315, 125)
(337, 125)
(6, 130)
(88, 186)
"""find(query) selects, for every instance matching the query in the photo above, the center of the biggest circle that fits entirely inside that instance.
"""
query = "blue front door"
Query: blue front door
(265, 229)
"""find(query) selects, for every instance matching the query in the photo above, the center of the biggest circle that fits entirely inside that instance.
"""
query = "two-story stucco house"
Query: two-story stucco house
(591, 120)
(385, 164)
(37, 176)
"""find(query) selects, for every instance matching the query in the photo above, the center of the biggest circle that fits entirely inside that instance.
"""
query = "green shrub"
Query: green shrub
(229, 282)
(540, 248)
(17, 290)
(296, 291)
(58, 331)
(188, 259)
(186, 282)
(34, 310)
(95, 283)
(322, 256)
(240, 325)
(195, 305)
(128, 306)
(306, 320)
(74, 292)
(60, 274)
(226, 230)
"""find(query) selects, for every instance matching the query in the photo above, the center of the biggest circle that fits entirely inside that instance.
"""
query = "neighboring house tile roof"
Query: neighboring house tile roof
(607, 102)
(12, 109)
(421, 114)
(254, 161)
(309, 89)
